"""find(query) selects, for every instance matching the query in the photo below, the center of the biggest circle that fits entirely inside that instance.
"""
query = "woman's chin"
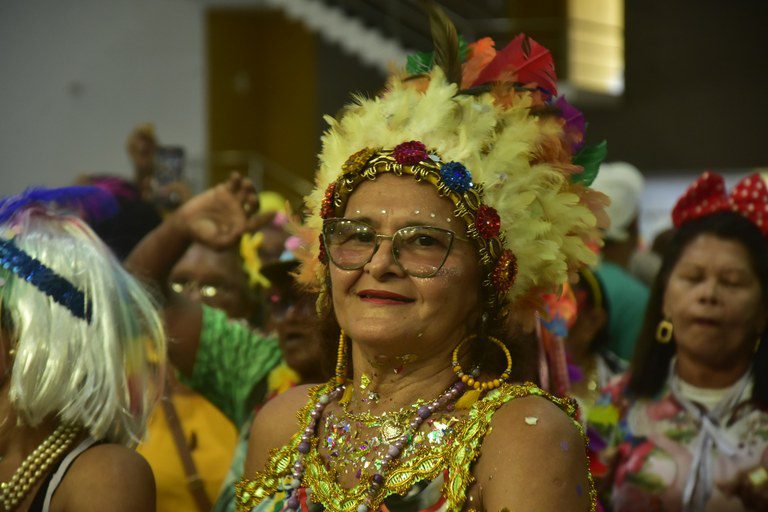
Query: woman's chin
(382, 335)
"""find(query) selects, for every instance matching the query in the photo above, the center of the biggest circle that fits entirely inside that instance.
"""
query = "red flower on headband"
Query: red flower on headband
(505, 272)
(707, 196)
(322, 256)
(487, 221)
(327, 206)
(410, 153)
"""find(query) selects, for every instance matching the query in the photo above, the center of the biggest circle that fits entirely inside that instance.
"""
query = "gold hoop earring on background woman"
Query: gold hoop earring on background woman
(664, 331)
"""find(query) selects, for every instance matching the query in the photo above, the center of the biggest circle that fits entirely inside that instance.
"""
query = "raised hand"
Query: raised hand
(219, 216)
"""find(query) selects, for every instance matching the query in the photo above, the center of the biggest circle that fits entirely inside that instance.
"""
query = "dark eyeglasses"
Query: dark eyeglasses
(206, 290)
(420, 251)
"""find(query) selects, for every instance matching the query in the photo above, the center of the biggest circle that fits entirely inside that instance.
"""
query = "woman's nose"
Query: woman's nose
(382, 261)
(708, 290)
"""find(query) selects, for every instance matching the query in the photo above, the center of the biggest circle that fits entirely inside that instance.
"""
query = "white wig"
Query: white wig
(105, 374)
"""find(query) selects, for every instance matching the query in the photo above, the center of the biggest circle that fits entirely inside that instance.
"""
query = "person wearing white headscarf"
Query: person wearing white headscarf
(626, 296)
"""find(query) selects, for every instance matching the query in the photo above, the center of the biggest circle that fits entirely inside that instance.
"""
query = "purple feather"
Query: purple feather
(596, 441)
(574, 372)
(90, 203)
(574, 120)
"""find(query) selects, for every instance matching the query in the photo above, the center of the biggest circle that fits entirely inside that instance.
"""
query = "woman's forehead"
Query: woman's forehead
(400, 196)
(712, 251)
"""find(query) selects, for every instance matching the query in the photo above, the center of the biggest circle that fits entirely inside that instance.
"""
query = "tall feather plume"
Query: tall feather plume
(445, 40)
(523, 61)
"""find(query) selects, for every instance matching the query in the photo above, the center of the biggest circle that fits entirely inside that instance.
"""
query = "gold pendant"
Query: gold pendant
(391, 431)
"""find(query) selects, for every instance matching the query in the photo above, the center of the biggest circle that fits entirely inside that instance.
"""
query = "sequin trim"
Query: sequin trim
(425, 464)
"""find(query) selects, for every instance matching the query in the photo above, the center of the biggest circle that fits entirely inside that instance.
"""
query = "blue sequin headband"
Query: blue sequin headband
(44, 279)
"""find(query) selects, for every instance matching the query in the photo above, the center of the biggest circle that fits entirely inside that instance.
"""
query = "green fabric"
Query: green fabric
(231, 369)
(626, 299)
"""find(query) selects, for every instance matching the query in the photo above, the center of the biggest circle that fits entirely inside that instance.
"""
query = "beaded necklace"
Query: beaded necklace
(394, 450)
(35, 465)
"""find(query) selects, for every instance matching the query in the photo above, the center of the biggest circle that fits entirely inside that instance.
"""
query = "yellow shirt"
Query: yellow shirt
(211, 438)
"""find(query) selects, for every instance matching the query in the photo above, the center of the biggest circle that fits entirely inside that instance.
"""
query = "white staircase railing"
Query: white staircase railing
(332, 24)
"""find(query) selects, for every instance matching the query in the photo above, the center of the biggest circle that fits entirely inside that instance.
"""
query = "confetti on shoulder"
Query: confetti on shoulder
(531, 420)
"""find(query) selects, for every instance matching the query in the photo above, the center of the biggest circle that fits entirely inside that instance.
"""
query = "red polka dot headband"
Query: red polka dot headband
(707, 196)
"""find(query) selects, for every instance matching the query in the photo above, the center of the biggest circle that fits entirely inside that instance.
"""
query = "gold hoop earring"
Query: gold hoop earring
(341, 360)
(470, 380)
(664, 331)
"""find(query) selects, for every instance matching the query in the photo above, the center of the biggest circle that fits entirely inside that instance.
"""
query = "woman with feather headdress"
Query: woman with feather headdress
(442, 210)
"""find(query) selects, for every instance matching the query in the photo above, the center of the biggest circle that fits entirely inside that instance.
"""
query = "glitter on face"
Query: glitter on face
(417, 212)
(432, 215)
(447, 272)
(531, 420)
(383, 212)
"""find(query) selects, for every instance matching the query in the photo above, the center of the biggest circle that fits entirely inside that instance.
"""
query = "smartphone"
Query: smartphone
(169, 170)
(169, 165)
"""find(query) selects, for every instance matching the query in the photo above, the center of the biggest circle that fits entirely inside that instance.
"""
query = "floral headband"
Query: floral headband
(454, 181)
(707, 195)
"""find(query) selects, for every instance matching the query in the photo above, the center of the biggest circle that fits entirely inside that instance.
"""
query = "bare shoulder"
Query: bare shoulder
(274, 425)
(517, 416)
(533, 458)
(107, 477)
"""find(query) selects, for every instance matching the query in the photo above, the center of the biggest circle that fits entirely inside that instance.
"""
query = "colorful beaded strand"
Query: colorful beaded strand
(394, 451)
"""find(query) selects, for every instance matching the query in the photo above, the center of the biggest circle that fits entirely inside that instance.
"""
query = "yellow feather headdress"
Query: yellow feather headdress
(502, 150)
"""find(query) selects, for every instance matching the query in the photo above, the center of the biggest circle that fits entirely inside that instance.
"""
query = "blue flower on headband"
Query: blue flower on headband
(44, 279)
(456, 177)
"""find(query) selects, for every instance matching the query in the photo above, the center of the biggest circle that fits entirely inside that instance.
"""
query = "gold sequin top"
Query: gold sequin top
(448, 463)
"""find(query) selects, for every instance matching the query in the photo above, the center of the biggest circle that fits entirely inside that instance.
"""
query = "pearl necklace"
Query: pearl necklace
(35, 465)
(393, 453)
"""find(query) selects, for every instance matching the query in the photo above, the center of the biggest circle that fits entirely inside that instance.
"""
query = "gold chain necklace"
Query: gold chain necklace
(35, 465)
(372, 420)
(391, 424)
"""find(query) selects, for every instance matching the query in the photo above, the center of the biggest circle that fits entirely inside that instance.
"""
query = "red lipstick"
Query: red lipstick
(383, 297)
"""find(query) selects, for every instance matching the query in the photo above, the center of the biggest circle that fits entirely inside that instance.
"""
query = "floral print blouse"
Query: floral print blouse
(648, 448)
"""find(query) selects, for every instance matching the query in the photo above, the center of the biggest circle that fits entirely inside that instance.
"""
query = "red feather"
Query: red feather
(523, 60)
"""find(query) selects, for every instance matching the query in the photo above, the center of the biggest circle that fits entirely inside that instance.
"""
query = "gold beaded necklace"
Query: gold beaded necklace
(35, 465)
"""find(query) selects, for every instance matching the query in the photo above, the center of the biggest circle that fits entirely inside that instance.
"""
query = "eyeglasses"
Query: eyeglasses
(419, 251)
(207, 291)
